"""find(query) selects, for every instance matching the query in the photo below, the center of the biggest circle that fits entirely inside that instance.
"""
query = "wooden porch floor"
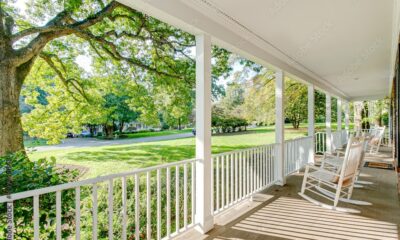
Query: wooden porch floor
(279, 213)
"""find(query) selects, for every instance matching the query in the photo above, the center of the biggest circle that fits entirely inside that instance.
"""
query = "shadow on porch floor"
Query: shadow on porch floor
(279, 213)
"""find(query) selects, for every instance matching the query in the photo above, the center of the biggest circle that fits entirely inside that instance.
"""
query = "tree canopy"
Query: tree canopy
(145, 64)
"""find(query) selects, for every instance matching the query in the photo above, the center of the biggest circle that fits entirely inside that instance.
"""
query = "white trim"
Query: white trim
(203, 215)
(339, 114)
(328, 121)
(280, 124)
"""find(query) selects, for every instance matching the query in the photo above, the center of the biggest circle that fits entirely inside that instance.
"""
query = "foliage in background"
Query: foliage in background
(24, 175)
(224, 122)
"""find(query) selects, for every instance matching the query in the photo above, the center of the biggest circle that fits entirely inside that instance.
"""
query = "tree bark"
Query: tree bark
(121, 127)
(109, 130)
(11, 133)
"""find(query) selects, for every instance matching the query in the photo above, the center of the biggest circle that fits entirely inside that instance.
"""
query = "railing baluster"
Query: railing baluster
(185, 199)
(158, 203)
(248, 172)
(110, 209)
(240, 175)
(258, 168)
(252, 171)
(212, 186)
(36, 226)
(217, 182)
(58, 215)
(94, 214)
(124, 208)
(137, 207)
(168, 202)
(193, 191)
(264, 158)
(177, 210)
(227, 181)
(223, 181)
(148, 207)
(232, 179)
(236, 176)
(77, 213)
(269, 156)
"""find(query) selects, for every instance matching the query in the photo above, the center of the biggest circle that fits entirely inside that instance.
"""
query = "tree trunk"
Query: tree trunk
(11, 134)
(121, 127)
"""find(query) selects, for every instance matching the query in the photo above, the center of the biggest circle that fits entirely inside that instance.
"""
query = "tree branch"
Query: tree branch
(66, 81)
(57, 27)
(111, 49)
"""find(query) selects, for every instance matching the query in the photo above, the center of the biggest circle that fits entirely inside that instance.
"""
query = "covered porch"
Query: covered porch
(252, 193)
(280, 213)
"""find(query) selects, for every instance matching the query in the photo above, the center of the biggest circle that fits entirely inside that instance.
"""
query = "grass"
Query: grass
(112, 159)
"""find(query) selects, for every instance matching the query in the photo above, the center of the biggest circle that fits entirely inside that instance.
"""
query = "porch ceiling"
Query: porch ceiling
(343, 47)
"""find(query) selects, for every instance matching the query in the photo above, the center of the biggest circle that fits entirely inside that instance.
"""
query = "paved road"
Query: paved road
(93, 142)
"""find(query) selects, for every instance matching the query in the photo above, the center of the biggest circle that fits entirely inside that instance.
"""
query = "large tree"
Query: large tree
(109, 28)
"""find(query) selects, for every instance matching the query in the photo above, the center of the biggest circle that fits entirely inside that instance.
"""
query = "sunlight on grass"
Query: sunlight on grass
(112, 159)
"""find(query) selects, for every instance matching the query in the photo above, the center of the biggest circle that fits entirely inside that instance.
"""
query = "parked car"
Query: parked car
(70, 135)
(85, 133)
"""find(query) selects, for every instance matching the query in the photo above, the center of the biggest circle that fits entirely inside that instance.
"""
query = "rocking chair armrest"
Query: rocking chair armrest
(313, 167)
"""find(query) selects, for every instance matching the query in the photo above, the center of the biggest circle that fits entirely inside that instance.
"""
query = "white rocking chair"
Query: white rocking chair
(334, 162)
(335, 185)
(376, 140)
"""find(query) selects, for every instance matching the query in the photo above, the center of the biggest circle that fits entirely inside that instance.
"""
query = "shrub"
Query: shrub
(228, 124)
(18, 174)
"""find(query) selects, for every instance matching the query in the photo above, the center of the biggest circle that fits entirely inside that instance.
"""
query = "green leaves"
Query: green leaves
(28, 175)
(72, 5)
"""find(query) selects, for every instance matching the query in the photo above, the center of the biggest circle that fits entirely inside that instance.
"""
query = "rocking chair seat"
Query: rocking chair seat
(326, 176)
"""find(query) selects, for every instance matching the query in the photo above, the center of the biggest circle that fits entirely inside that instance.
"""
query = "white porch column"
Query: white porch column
(347, 117)
(279, 124)
(203, 216)
(311, 128)
(328, 123)
(339, 114)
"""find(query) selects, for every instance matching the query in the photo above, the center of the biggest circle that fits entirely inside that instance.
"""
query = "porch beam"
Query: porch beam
(279, 124)
(203, 215)
(328, 123)
(311, 120)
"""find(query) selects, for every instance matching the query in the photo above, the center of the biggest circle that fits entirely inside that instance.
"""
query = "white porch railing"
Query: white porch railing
(170, 188)
(320, 142)
(240, 174)
(298, 152)
(339, 138)
(159, 202)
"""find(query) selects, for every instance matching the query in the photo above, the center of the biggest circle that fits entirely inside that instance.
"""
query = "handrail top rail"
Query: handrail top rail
(243, 149)
(298, 138)
(90, 181)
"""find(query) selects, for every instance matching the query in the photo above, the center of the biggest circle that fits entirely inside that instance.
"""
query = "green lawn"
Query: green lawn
(113, 159)
(155, 134)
